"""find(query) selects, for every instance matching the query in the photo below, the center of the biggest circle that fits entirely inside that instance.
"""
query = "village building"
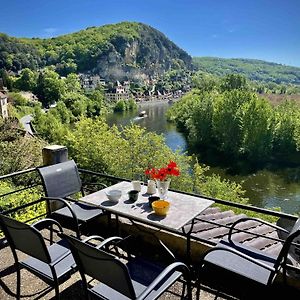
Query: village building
(90, 82)
(119, 92)
(3, 100)
(3, 105)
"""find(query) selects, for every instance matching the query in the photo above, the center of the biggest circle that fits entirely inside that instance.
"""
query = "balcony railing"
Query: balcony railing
(35, 183)
(212, 223)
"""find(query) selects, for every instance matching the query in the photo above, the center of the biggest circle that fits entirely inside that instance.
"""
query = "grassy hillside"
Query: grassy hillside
(253, 69)
(128, 48)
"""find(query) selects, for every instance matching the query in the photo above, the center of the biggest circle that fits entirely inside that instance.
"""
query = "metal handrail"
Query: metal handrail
(17, 173)
(20, 190)
(116, 178)
(219, 201)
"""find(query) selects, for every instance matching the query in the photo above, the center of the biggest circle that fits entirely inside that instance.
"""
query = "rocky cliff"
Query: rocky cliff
(125, 50)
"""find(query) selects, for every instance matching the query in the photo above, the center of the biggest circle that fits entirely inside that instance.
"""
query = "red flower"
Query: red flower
(162, 173)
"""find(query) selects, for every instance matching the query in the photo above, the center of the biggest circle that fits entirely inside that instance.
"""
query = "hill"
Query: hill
(120, 51)
(253, 69)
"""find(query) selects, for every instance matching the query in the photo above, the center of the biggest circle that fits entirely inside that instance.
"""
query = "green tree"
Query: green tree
(50, 87)
(204, 81)
(232, 82)
(200, 124)
(72, 83)
(227, 120)
(76, 103)
(7, 81)
(257, 120)
(49, 126)
(95, 105)
(27, 80)
(287, 121)
(63, 113)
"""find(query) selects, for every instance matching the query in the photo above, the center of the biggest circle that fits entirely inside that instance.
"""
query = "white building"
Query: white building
(3, 106)
(121, 92)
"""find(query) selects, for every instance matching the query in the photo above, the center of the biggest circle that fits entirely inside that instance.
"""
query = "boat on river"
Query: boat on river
(142, 114)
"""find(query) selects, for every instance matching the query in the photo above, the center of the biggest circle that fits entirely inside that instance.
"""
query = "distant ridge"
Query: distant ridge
(128, 50)
(118, 51)
(253, 69)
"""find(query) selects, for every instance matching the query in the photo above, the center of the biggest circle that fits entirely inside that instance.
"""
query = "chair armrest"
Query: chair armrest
(65, 203)
(110, 240)
(93, 237)
(169, 269)
(240, 254)
(104, 242)
(68, 206)
(253, 219)
(42, 224)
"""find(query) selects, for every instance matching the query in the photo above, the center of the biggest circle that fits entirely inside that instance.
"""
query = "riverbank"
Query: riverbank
(155, 101)
(268, 187)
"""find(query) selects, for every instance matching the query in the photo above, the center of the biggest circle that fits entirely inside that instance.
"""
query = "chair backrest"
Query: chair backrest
(25, 238)
(102, 266)
(288, 248)
(60, 180)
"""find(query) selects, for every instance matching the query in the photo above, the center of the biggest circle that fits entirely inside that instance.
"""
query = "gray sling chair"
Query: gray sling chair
(138, 279)
(60, 181)
(253, 264)
(53, 263)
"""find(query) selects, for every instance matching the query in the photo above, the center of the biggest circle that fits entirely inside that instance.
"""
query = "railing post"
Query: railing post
(54, 154)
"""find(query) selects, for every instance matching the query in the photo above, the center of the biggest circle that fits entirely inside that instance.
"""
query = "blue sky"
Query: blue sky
(261, 29)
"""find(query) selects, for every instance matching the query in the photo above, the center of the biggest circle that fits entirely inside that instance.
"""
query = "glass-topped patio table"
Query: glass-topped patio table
(183, 208)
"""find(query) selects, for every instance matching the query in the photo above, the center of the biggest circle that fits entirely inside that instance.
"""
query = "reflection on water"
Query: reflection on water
(264, 188)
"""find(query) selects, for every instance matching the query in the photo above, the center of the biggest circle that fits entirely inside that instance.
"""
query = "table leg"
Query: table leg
(188, 242)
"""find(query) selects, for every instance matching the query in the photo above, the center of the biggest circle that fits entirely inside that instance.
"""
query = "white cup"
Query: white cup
(151, 188)
(137, 185)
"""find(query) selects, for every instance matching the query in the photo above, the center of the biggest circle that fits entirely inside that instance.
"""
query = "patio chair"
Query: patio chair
(53, 263)
(138, 279)
(60, 181)
(251, 264)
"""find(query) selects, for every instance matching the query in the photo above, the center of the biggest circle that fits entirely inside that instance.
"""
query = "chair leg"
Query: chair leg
(183, 290)
(189, 290)
(198, 290)
(18, 293)
(56, 283)
(56, 291)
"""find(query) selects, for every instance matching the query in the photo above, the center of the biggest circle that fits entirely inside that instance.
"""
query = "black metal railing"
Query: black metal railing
(113, 179)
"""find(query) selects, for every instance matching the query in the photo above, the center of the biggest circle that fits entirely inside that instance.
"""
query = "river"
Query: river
(265, 188)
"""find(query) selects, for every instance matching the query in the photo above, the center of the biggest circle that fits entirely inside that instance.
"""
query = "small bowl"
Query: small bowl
(114, 195)
(161, 207)
(151, 199)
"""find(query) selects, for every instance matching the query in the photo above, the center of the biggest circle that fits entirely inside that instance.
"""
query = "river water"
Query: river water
(264, 188)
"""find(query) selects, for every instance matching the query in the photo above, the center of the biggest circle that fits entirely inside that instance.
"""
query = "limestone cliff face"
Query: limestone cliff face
(125, 50)
(149, 54)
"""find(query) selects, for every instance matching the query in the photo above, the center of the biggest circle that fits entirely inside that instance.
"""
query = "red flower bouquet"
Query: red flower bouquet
(163, 173)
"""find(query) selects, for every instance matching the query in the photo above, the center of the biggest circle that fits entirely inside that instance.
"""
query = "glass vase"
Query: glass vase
(162, 188)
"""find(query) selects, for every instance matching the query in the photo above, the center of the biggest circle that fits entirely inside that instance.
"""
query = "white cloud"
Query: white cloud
(50, 30)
